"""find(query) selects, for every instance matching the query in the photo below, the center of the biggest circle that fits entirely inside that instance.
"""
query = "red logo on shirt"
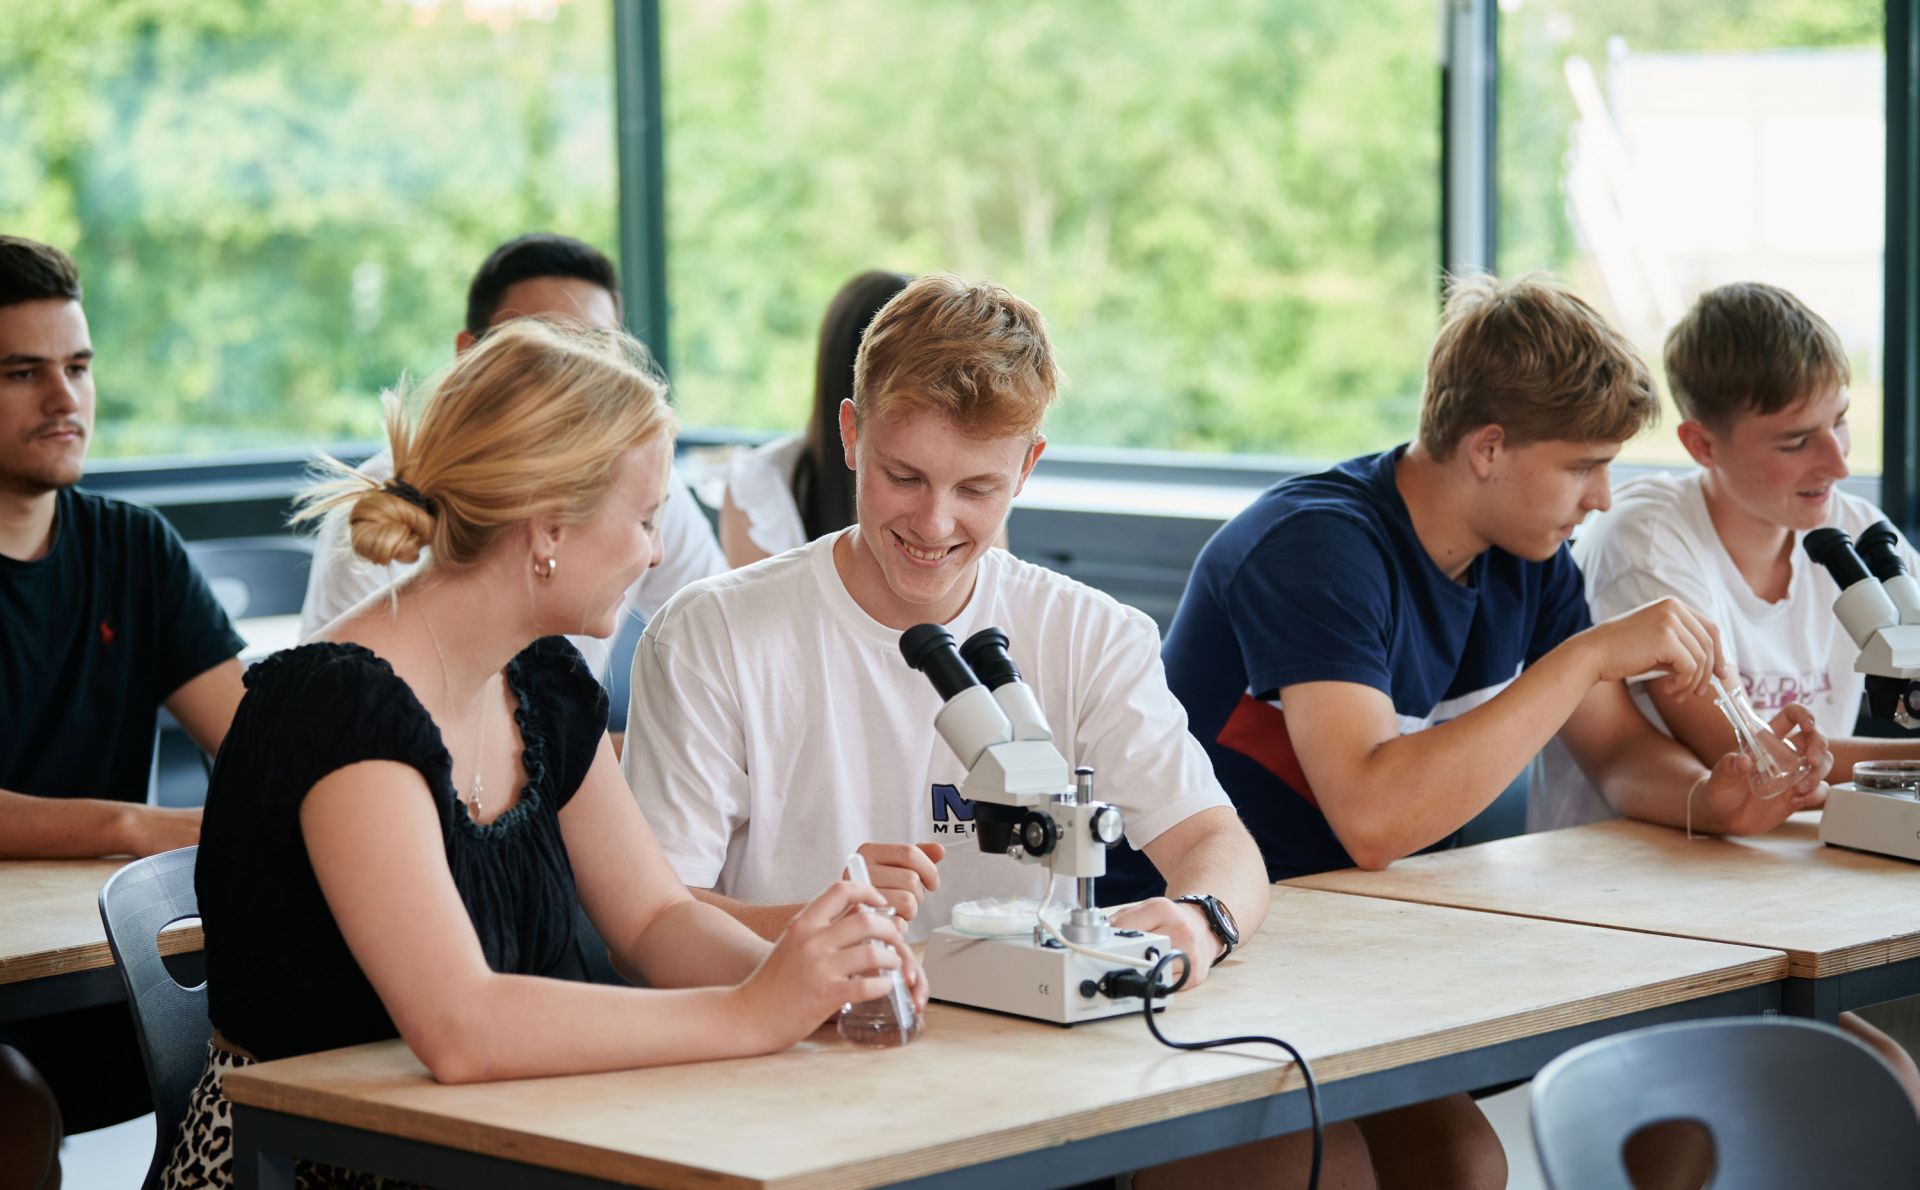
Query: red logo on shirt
(106, 633)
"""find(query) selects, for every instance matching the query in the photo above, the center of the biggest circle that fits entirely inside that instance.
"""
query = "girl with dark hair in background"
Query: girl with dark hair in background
(797, 487)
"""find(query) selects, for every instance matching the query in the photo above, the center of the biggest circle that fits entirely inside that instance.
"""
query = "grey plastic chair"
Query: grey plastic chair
(136, 903)
(255, 576)
(1789, 1104)
(620, 669)
(250, 576)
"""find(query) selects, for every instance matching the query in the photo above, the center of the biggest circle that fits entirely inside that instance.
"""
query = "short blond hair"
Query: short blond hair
(1750, 348)
(1529, 356)
(530, 422)
(974, 353)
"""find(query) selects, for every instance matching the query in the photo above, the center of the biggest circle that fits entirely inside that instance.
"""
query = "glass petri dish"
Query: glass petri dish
(1902, 776)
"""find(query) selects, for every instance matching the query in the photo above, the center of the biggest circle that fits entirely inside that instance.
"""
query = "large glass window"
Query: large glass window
(276, 206)
(1652, 150)
(1229, 215)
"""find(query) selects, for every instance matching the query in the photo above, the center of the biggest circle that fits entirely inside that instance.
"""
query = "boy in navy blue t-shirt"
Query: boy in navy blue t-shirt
(1370, 655)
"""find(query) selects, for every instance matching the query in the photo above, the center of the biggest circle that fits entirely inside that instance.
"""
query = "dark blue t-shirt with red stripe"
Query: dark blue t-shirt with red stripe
(1322, 579)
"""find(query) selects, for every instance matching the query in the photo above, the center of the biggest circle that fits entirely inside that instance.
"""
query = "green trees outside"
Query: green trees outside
(276, 204)
(1229, 211)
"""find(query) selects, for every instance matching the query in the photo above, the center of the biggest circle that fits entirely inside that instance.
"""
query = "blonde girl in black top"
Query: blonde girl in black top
(407, 806)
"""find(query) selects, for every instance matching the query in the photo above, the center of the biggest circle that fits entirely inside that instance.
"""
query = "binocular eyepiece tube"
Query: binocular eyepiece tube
(929, 649)
(1877, 595)
(1833, 549)
(971, 721)
(982, 661)
(1879, 547)
(1875, 589)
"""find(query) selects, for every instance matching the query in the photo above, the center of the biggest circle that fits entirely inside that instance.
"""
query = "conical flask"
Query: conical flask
(887, 1020)
(1777, 767)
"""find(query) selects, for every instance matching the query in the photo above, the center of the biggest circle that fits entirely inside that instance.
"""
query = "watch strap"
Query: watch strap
(1210, 906)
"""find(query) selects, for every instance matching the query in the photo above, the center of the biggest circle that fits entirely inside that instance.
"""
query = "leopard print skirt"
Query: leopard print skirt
(203, 1155)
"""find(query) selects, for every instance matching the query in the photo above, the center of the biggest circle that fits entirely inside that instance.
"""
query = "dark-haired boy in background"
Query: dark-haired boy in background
(546, 276)
(103, 620)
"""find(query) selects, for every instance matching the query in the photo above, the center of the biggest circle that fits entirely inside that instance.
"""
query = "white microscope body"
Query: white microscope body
(1029, 808)
(1880, 608)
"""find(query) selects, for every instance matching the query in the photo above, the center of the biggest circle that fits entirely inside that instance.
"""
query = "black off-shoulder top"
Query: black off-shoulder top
(280, 979)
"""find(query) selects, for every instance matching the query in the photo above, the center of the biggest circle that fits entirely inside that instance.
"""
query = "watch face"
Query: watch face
(1226, 918)
(1221, 916)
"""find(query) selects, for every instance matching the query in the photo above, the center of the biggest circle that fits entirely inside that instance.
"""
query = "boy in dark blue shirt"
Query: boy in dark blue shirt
(1324, 579)
(1372, 654)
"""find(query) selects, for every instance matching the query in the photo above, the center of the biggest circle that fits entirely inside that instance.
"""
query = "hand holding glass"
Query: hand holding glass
(1777, 765)
(888, 1020)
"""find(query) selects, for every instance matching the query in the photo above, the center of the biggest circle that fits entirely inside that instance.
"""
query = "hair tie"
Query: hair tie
(411, 495)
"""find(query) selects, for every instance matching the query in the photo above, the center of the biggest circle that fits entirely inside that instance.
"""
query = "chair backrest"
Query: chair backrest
(136, 903)
(255, 576)
(620, 669)
(1787, 1102)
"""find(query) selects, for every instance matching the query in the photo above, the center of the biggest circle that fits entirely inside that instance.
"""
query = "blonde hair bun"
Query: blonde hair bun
(386, 527)
(530, 422)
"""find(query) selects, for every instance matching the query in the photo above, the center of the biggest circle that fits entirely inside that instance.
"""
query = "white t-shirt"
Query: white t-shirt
(340, 579)
(774, 727)
(1658, 540)
(760, 481)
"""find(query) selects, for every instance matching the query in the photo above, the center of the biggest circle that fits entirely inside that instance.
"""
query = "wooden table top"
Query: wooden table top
(1359, 984)
(1831, 910)
(51, 925)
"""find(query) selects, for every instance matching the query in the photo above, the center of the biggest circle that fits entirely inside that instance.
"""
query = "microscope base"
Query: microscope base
(1022, 978)
(1883, 822)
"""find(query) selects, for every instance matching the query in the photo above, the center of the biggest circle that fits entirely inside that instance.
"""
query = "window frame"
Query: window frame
(1899, 476)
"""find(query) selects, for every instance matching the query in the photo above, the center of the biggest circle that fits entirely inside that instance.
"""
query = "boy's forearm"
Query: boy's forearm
(768, 921)
(62, 828)
(1419, 788)
(1654, 782)
(1225, 863)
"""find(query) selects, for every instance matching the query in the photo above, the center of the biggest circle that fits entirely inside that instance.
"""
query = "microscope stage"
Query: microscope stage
(1023, 978)
(1885, 822)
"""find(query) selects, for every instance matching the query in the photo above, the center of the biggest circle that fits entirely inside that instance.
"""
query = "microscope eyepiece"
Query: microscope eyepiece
(929, 649)
(1879, 548)
(986, 654)
(1833, 549)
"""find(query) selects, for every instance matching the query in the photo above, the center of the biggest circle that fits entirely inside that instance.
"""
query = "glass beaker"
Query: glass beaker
(884, 1021)
(1777, 766)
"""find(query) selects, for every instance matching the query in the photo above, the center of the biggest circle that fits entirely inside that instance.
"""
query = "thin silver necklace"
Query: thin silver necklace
(478, 788)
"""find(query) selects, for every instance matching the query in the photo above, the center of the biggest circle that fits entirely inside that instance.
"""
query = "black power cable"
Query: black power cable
(1152, 987)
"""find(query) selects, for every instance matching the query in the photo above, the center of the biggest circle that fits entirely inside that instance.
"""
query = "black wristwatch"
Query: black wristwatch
(1219, 917)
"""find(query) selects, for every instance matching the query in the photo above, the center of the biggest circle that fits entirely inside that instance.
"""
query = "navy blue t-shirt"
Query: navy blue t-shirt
(1322, 579)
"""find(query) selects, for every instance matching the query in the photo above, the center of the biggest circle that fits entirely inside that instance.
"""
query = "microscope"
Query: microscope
(1879, 605)
(1028, 808)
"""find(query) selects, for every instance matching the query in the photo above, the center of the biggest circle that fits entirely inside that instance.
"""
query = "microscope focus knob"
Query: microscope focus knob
(1107, 826)
(1038, 833)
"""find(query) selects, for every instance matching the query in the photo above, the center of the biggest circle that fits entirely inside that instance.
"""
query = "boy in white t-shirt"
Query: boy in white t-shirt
(775, 727)
(1761, 381)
